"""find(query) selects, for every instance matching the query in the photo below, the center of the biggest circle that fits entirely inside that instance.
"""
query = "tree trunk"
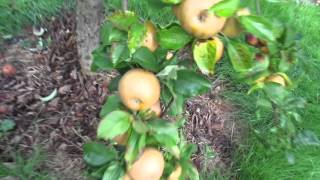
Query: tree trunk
(89, 18)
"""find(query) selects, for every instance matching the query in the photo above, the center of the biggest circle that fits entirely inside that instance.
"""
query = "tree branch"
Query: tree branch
(125, 5)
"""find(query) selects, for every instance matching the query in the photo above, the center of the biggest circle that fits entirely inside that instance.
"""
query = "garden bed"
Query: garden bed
(63, 124)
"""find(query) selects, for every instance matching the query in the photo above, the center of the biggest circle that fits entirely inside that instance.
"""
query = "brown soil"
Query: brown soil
(62, 125)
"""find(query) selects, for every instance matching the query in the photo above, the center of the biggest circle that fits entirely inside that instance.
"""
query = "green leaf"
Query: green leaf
(169, 72)
(225, 8)
(96, 154)
(173, 38)
(188, 150)
(276, 93)
(135, 36)
(113, 85)
(132, 148)
(204, 54)
(139, 126)
(189, 171)
(113, 103)
(177, 106)
(119, 53)
(142, 142)
(123, 20)
(164, 132)
(172, 1)
(114, 124)
(98, 172)
(240, 55)
(144, 57)
(114, 171)
(189, 83)
(7, 125)
(258, 26)
(109, 34)
(100, 60)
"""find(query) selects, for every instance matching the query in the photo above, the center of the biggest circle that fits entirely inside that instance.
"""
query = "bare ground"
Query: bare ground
(62, 125)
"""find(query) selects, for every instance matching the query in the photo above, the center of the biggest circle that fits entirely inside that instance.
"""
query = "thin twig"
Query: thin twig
(166, 108)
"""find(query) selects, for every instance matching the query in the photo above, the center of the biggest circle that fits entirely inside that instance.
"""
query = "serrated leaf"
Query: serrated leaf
(136, 36)
(169, 72)
(177, 105)
(140, 127)
(119, 52)
(132, 148)
(204, 54)
(164, 132)
(189, 171)
(114, 171)
(258, 26)
(113, 103)
(240, 56)
(123, 20)
(97, 154)
(114, 124)
(101, 60)
(173, 38)
(109, 34)
(225, 8)
(189, 83)
(144, 57)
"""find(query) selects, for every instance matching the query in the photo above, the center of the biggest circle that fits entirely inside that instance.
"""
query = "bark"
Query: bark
(89, 18)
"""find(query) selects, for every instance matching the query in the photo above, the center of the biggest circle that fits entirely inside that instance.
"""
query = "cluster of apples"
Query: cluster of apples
(264, 50)
(198, 21)
(139, 90)
(195, 18)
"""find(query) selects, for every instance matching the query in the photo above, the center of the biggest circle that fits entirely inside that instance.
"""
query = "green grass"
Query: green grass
(25, 167)
(255, 162)
(15, 14)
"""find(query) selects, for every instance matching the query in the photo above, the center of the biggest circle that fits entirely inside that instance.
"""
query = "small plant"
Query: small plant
(145, 139)
(24, 168)
(6, 125)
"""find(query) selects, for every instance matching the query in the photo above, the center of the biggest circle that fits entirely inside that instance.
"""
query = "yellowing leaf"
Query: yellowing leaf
(204, 54)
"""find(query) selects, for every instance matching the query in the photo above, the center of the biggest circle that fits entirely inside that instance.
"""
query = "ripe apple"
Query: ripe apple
(252, 40)
(195, 18)
(9, 70)
(233, 27)
(276, 79)
(149, 40)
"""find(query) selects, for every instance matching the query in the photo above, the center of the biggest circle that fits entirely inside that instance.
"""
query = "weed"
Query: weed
(24, 168)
